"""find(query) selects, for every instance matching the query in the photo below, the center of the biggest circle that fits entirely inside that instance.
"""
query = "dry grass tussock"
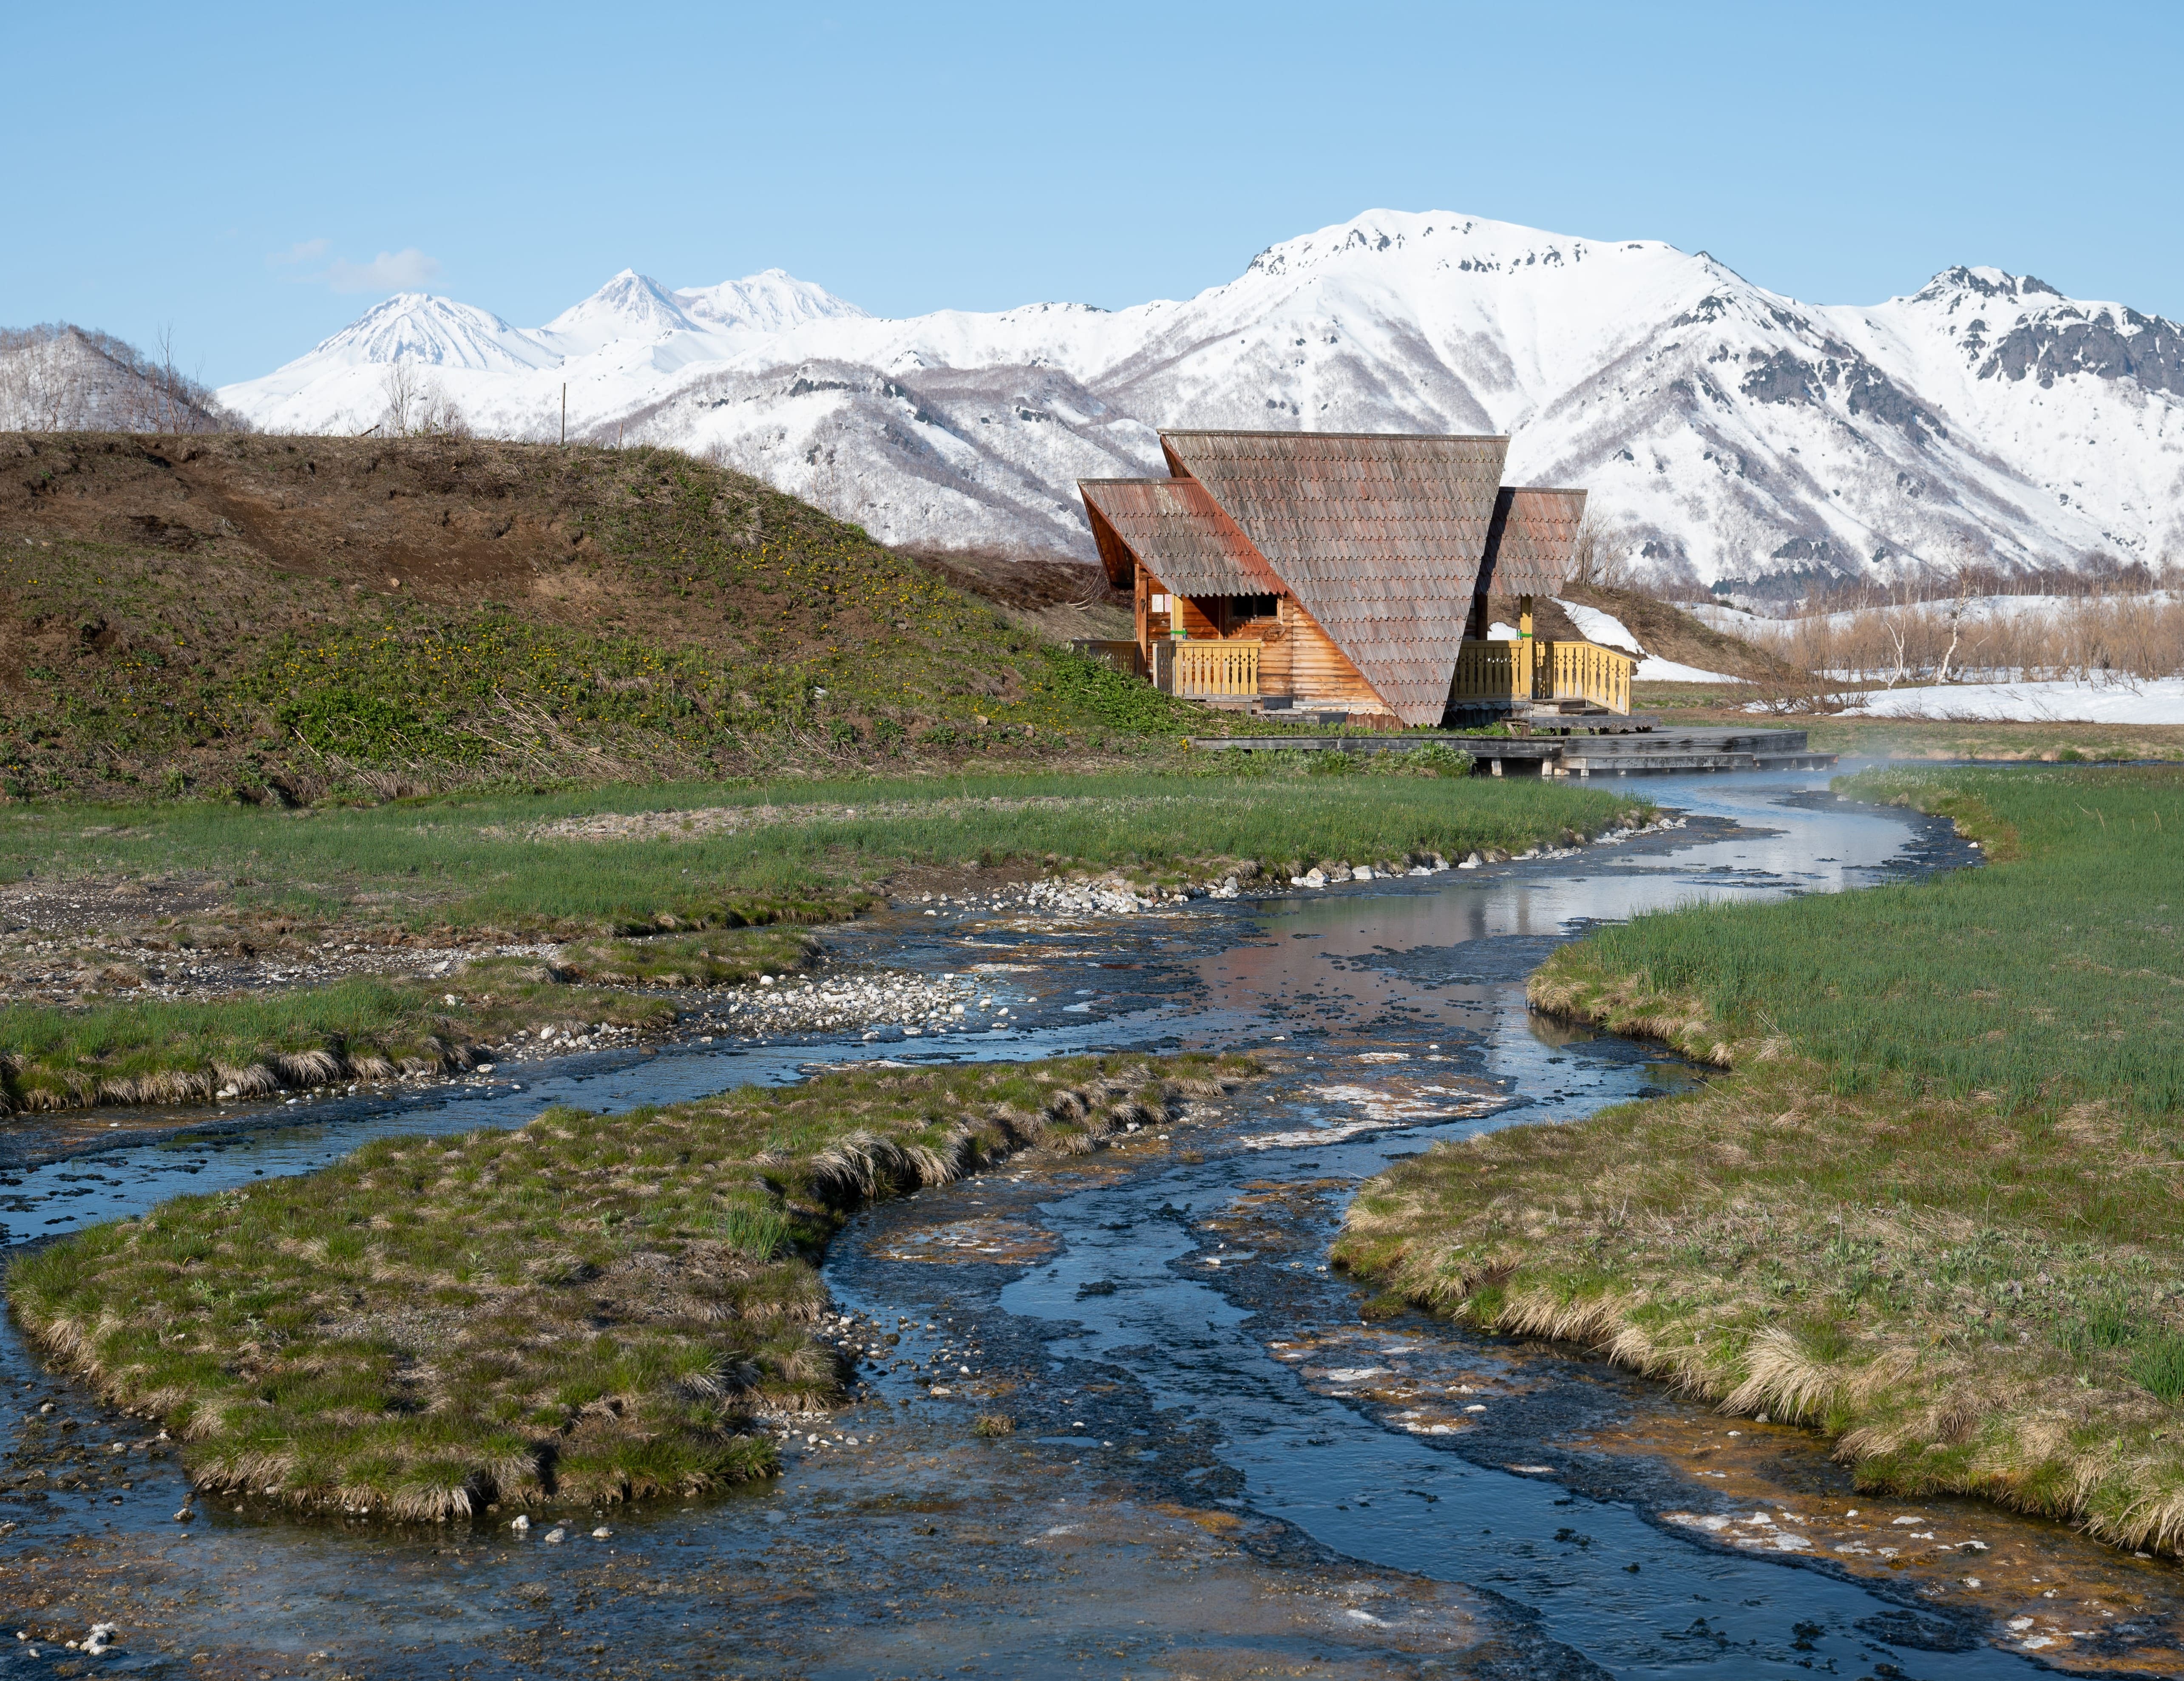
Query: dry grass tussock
(1944, 1354)
(1931, 1211)
(29, 1086)
(591, 1308)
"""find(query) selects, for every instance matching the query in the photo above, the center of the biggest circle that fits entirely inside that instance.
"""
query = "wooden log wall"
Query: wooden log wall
(1318, 669)
(1296, 658)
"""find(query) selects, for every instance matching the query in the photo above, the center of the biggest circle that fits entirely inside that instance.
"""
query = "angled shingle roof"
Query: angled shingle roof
(1533, 540)
(1178, 530)
(1380, 536)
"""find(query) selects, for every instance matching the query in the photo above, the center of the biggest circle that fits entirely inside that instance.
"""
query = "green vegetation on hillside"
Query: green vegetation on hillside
(348, 616)
(591, 1308)
(1932, 1211)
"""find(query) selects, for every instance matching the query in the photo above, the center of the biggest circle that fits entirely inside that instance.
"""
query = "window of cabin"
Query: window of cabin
(1242, 608)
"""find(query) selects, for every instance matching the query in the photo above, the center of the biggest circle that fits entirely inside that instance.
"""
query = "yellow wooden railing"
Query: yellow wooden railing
(1486, 671)
(1560, 671)
(1574, 670)
(1210, 669)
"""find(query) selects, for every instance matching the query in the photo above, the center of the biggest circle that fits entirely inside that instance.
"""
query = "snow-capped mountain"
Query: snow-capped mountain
(629, 306)
(1725, 432)
(772, 301)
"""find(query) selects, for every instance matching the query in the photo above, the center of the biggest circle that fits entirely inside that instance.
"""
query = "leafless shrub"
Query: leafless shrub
(2096, 576)
(60, 377)
(1601, 559)
(417, 406)
(2136, 635)
(1788, 695)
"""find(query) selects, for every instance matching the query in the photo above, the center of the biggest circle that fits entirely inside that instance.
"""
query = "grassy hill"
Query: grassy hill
(307, 616)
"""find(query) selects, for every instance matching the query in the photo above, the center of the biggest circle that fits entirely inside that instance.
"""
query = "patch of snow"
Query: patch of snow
(1673, 672)
(2156, 702)
(1604, 629)
(1735, 621)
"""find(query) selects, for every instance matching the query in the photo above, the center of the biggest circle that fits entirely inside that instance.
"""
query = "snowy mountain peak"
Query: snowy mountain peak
(772, 301)
(1445, 240)
(416, 326)
(2014, 327)
(1955, 284)
(1724, 432)
(631, 305)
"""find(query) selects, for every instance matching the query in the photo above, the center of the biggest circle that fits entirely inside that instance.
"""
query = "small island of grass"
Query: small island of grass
(590, 1308)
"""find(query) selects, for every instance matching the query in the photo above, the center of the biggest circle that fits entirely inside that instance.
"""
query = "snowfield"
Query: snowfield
(2157, 702)
(1652, 670)
(1604, 629)
(1724, 432)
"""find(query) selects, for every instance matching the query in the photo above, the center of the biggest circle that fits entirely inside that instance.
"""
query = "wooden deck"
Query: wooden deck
(1510, 673)
(1639, 753)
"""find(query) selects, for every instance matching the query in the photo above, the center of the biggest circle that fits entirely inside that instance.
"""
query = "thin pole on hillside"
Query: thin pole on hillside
(565, 417)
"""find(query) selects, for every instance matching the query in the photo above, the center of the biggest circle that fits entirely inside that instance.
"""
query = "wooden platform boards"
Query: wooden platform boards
(1653, 751)
(1688, 750)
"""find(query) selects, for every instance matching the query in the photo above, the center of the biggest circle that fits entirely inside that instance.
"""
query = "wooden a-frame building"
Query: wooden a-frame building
(1346, 570)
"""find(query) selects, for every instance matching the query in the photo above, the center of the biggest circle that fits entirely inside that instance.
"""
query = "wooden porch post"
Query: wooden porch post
(1524, 648)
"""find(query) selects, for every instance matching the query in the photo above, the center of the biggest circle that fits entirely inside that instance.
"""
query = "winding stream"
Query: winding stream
(1218, 1466)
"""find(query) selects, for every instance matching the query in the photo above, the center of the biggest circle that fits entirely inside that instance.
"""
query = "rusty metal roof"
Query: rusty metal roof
(1177, 531)
(1378, 536)
(1533, 540)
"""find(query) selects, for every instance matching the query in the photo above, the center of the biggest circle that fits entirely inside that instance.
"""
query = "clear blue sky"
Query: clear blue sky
(238, 171)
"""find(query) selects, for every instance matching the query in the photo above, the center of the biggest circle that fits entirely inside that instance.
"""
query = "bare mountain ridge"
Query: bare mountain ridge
(1725, 432)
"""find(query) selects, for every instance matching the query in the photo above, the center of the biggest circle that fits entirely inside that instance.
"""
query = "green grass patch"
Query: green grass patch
(590, 1308)
(1932, 1210)
(170, 1051)
(723, 855)
(714, 882)
(2039, 987)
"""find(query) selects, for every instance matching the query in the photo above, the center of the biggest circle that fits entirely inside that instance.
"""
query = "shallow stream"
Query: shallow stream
(1217, 1467)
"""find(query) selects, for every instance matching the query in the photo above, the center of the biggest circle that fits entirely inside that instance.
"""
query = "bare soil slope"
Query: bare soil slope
(1053, 594)
(1666, 632)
